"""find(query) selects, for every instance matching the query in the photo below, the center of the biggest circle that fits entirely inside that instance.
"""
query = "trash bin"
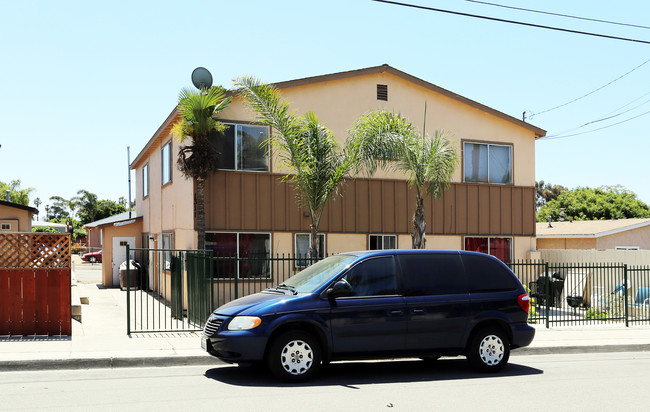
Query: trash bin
(134, 275)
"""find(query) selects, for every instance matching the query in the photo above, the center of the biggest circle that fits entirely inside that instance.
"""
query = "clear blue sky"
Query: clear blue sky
(82, 80)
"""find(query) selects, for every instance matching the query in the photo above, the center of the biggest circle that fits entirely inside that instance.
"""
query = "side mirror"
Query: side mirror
(339, 289)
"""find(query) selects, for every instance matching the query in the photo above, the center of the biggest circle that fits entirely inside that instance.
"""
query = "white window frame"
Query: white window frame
(512, 164)
(512, 242)
(5, 226)
(628, 248)
(299, 259)
(237, 242)
(236, 146)
(145, 180)
(383, 240)
(162, 163)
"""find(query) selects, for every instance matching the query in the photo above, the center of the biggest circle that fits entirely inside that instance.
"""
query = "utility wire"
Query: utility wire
(590, 93)
(594, 130)
(558, 14)
(540, 26)
(607, 117)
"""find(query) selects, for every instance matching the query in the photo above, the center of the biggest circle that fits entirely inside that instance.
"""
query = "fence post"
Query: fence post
(128, 291)
(546, 294)
(236, 275)
(627, 317)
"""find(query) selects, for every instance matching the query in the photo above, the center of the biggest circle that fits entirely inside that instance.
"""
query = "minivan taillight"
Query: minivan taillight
(524, 302)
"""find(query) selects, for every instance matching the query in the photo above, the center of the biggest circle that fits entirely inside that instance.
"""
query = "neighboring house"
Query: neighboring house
(111, 235)
(489, 207)
(16, 218)
(59, 227)
(622, 234)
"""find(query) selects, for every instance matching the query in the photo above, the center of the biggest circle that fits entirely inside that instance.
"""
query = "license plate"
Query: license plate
(204, 344)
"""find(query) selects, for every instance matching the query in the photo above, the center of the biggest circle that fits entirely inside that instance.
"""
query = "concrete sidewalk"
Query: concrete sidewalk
(100, 340)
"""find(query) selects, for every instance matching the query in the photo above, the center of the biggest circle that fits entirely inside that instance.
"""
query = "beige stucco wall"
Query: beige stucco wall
(20, 220)
(566, 243)
(168, 208)
(339, 104)
(637, 237)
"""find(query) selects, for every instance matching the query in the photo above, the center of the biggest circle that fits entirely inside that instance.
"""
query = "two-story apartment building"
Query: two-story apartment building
(489, 207)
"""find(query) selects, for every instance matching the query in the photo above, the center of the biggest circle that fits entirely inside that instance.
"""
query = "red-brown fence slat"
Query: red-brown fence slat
(29, 301)
(53, 302)
(4, 302)
(15, 303)
(63, 276)
(42, 326)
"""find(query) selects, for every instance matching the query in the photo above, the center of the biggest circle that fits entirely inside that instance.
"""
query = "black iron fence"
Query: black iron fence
(584, 294)
(176, 290)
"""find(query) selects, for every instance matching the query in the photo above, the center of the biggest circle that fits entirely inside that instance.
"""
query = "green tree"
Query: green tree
(16, 194)
(584, 203)
(92, 209)
(388, 140)
(87, 202)
(58, 209)
(317, 165)
(197, 126)
(545, 192)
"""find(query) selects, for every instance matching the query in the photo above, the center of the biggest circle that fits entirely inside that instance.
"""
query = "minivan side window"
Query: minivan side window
(432, 275)
(487, 275)
(373, 277)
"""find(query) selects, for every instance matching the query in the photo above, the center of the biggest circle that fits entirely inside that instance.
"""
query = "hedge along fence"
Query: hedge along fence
(35, 284)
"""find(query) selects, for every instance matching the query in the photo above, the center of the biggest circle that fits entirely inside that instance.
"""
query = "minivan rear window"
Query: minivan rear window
(487, 275)
(432, 275)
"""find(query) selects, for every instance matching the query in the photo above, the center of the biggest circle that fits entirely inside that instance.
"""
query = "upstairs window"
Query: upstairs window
(145, 180)
(166, 162)
(487, 163)
(240, 147)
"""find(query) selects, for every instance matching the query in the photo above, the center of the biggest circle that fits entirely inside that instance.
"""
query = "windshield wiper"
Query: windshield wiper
(290, 288)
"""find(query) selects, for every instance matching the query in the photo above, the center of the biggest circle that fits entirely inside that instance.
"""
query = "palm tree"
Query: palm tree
(318, 166)
(198, 158)
(16, 194)
(388, 140)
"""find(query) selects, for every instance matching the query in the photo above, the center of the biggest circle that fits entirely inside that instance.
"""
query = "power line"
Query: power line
(594, 130)
(558, 14)
(590, 93)
(540, 26)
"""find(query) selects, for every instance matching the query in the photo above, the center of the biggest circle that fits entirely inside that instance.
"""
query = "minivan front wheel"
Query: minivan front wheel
(294, 356)
(489, 350)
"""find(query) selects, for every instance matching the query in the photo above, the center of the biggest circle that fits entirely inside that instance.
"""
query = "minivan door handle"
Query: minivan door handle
(396, 313)
(417, 311)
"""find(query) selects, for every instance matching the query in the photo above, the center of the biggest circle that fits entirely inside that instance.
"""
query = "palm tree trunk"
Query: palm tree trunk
(419, 225)
(200, 213)
(313, 250)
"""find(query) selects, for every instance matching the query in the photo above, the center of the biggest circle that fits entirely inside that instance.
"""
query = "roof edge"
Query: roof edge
(153, 138)
(385, 68)
(18, 206)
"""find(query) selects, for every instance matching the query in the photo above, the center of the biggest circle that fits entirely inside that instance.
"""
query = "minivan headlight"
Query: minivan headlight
(244, 323)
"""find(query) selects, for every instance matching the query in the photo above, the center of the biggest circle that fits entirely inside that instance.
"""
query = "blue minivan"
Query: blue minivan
(374, 305)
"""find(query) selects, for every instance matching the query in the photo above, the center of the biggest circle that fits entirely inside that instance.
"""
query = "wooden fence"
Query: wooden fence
(35, 284)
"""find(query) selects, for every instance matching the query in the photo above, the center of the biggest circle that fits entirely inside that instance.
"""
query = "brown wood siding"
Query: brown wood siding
(239, 201)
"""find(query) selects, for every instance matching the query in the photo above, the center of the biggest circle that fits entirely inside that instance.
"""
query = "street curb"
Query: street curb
(568, 350)
(169, 361)
(107, 363)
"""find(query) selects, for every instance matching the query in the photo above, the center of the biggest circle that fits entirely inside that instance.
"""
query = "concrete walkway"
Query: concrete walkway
(100, 340)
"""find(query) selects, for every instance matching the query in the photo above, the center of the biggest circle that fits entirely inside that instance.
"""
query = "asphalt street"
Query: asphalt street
(581, 382)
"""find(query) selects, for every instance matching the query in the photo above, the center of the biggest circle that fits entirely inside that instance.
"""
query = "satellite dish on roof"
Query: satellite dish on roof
(201, 78)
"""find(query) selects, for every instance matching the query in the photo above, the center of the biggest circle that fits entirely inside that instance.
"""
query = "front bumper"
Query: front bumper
(235, 347)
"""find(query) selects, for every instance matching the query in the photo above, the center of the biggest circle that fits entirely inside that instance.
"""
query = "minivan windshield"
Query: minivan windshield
(314, 276)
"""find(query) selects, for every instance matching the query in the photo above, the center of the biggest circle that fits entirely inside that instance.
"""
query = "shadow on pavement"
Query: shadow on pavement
(359, 373)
